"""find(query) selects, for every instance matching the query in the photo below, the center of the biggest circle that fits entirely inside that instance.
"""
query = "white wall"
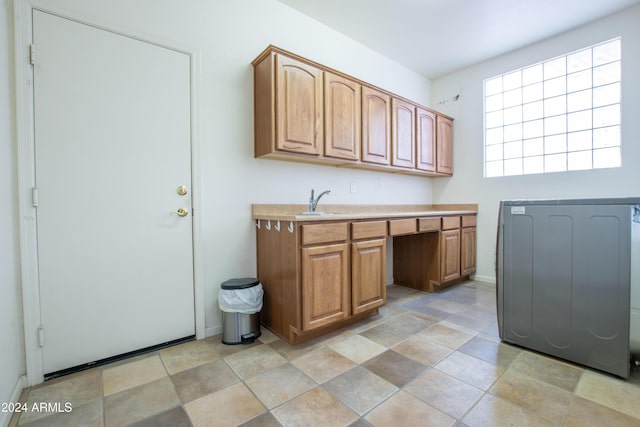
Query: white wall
(12, 364)
(228, 35)
(468, 185)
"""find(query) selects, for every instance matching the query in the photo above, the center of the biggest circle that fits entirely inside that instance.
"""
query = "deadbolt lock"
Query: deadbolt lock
(182, 190)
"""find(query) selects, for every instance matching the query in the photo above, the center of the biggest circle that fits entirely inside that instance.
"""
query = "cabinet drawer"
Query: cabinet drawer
(324, 233)
(429, 224)
(468, 220)
(402, 226)
(450, 222)
(369, 229)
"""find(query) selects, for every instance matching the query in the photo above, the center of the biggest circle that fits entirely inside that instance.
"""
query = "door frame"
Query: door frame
(23, 25)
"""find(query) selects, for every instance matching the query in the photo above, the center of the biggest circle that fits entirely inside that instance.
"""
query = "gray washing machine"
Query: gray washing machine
(567, 279)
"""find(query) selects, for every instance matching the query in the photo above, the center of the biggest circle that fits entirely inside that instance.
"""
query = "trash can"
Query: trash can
(240, 301)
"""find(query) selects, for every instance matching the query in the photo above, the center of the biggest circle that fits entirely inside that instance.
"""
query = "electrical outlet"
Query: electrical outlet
(353, 187)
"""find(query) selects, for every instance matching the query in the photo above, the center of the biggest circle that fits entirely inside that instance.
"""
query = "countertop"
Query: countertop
(357, 212)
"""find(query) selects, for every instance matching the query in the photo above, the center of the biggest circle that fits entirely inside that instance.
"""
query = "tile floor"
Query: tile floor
(425, 360)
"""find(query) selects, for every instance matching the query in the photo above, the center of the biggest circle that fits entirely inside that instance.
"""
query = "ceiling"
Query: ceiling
(436, 37)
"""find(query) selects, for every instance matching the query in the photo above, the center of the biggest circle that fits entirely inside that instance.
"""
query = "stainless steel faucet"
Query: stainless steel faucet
(313, 203)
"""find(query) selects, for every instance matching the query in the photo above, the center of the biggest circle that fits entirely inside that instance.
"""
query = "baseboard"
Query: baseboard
(216, 330)
(5, 417)
(485, 279)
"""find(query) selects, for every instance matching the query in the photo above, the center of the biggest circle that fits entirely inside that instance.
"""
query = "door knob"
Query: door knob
(181, 212)
(182, 190)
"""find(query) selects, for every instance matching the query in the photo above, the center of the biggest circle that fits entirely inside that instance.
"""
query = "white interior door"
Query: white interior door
(112, 146)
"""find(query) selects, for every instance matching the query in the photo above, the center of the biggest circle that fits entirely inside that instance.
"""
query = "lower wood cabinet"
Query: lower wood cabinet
(450, 255)
(325, 285)
(368, 287)
(437, 257)
(468, 251)
(318, 277)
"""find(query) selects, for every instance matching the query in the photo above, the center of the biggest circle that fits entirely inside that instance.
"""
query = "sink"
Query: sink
(315, 213)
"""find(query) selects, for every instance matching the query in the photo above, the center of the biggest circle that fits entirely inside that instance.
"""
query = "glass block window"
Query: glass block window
(559, 115)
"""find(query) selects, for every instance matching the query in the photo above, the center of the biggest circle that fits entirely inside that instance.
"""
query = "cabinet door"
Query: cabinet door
(444, 145)
(299, 107)
(450, 254)
(376, 126)
(368, 288)
(468, 251)
(325, 285)
(403, 141)
(425, 140)
(342, 117)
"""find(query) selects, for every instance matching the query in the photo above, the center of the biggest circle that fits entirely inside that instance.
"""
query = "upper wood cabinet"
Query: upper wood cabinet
(376, 126)
(299, 103)
(403, 137)
(304, 111)
(444, 145)
(288, 107)
(425, 140)
(342, 117)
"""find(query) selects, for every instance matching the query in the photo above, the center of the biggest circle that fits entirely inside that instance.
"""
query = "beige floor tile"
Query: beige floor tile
(441, 370)
(546, 400)
(175, 417)
(470, 369)
(394, 367)
(396, 329)
(315, 408)
(397, 291)
(422, 350)
(448, 394)
(392, 309)
(132, 374)
(189, 355)
(585, 413)
(611, 392)
(323, 364)
(77, 390)
(228, 407)
(448, 306)
(202, 380)
(360, 389)
(449, 336)
(290, 352)
(225, 350)
(334, 336)
(402, 409)
(490, 351)
(492, 411)
(135, 404)
(266, 336)
(366, 324)
(357, 348)
(280, 384)
(265, 420)
(87, 415)
(254, 361)
(546, 369)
